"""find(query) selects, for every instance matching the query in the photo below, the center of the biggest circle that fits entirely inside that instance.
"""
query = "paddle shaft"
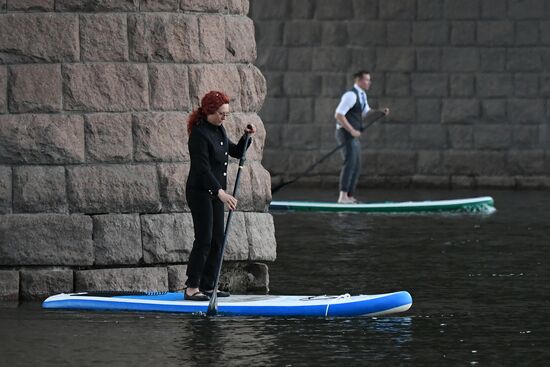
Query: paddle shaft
(213, 304)
(283, 184)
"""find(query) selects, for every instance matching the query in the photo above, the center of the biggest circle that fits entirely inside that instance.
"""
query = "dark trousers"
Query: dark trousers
(351, 153)
(208, 222)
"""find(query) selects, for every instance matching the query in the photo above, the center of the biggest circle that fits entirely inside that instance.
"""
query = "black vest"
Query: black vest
(354, 114)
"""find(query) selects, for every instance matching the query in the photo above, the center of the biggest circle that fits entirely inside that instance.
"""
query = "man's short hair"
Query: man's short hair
(360, 73)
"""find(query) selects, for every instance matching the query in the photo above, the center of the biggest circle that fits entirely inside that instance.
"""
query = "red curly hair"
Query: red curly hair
(209, 104)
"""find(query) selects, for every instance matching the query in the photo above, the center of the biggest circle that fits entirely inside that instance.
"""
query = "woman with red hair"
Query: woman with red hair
(205, 190)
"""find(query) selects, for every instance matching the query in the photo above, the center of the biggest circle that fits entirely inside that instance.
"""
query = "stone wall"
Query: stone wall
(94, 97)
(467, 81)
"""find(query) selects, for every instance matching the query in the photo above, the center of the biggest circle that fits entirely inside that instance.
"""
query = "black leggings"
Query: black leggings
(208, 221)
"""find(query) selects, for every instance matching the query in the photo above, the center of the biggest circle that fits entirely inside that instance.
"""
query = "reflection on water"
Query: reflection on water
(480, 287)
(90, 338)
(227, 341)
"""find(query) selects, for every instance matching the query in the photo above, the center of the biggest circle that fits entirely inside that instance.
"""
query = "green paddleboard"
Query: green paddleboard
(482, 204)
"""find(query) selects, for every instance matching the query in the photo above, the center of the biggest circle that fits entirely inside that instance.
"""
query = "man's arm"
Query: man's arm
(343, 121)
(375, 114)
(346, 103)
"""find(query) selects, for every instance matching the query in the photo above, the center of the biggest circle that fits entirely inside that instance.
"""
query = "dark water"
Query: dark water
(480, 285)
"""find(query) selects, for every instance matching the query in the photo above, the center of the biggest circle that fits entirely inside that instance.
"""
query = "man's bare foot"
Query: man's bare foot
(344, 201)
(343, 198)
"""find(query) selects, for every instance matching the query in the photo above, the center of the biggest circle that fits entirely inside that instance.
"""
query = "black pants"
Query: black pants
(208, 222)
(351, 153)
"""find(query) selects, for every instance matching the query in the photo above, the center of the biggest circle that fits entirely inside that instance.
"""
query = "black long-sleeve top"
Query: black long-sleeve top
(208, 149)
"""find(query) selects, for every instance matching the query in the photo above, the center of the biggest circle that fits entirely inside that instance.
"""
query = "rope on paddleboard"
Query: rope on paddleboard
(117, 293)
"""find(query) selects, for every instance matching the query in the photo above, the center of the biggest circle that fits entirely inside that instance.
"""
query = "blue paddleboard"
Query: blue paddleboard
(238, 305)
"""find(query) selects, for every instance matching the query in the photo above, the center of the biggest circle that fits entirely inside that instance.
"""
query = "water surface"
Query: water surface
(480, 286)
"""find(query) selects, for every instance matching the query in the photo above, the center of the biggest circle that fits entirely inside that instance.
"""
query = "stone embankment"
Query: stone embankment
(94, 98)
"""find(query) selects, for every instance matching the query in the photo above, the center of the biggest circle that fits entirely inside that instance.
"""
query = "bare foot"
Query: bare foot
(345, 201)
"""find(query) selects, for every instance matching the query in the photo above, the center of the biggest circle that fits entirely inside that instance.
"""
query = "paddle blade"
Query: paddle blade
(213, 305)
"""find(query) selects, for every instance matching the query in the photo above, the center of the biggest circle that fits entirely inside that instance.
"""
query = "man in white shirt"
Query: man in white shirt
(349, 114)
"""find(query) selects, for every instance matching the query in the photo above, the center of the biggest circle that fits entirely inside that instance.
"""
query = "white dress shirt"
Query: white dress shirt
(349, 99)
